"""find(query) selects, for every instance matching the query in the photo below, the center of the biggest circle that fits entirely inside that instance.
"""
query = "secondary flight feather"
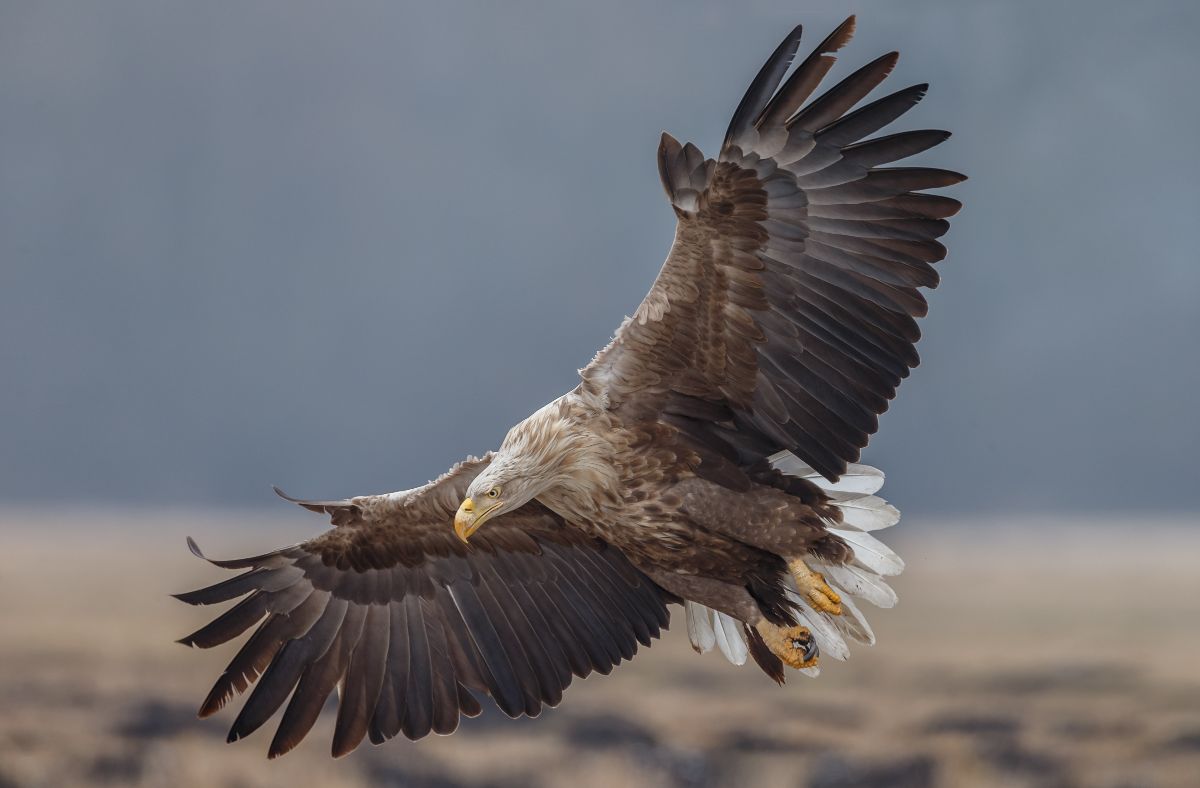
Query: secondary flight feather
(706, 458)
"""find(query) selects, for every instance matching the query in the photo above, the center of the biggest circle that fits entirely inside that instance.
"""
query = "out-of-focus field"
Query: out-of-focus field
(1056, 652)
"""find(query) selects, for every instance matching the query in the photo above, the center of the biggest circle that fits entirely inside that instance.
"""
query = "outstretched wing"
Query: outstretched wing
(784, 316)
(405, 620)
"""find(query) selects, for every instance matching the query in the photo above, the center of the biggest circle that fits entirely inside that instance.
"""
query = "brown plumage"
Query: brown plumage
(697, 462)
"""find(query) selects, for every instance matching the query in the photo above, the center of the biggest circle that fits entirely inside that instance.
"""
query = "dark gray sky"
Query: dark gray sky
(339, 246)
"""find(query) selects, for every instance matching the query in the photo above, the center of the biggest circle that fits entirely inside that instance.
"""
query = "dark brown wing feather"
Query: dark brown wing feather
(406, 621)
(784, 316)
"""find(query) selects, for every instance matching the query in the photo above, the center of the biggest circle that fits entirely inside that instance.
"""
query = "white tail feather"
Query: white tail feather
(861, 583)
(857, 478)
(852, 622)
(867, 513)
(699, 627)
(872, 553)
(729, 638)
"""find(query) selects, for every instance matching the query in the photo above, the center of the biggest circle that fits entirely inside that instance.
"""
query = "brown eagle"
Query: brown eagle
(704, 459)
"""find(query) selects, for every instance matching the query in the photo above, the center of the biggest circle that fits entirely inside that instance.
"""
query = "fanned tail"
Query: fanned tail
(862, 578)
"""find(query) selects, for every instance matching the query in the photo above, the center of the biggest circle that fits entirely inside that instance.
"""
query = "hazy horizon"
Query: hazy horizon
(339, 248)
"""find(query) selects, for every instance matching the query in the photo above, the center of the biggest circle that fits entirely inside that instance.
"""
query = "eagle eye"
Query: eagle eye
(493, 493)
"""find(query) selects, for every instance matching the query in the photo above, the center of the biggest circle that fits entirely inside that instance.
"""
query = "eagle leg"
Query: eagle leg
(814, 589)
(794, 645)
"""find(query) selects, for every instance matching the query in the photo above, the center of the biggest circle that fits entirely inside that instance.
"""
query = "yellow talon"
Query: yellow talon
(812, 586)
(794, 645)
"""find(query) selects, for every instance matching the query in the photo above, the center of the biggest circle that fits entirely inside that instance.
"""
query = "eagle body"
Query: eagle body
(635, 483)
(706, 459)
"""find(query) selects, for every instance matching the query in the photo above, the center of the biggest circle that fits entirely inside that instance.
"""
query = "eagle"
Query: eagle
(705, 459)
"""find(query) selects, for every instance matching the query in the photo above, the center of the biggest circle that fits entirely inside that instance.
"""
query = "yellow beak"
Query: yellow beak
(468, 519)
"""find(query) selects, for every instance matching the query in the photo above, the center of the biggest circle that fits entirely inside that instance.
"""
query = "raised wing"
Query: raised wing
(406, 621)
(784, 315)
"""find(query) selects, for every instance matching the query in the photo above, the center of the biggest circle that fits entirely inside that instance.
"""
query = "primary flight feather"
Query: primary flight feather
(706, 457)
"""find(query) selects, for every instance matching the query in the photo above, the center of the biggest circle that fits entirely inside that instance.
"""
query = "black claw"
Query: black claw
(809, 644)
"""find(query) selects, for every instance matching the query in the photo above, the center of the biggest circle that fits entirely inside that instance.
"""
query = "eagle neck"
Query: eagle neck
(566, 443)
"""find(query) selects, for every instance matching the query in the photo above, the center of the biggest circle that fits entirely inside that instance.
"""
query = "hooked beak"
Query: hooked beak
(469, 518)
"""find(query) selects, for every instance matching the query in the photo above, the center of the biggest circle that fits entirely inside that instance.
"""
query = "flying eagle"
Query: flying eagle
(705, 459)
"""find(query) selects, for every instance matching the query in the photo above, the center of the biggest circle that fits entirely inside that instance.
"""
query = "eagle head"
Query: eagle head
(508, 483)
(552, 450)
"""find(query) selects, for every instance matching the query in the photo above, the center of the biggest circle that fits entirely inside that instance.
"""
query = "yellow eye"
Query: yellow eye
(494, 492)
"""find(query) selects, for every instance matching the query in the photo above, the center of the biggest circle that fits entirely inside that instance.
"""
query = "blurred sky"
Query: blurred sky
(338, 246)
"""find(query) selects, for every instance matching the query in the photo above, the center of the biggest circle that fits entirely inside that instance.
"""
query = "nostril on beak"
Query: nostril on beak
(468, 505)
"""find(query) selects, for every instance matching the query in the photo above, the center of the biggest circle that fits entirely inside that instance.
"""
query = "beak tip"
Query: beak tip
(462, 526)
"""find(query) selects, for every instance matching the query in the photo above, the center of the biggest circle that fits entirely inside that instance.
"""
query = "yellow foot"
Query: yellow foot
(794, 645)
(812, 586)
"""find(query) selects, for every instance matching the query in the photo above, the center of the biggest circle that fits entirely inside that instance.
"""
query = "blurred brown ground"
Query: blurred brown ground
(1056, 652)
